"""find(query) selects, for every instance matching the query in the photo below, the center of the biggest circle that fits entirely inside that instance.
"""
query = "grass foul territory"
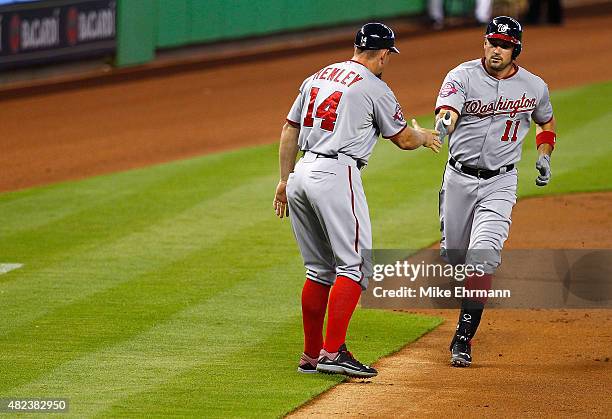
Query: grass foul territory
(174, 290)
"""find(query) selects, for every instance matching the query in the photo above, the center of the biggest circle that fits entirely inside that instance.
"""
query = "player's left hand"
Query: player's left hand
(442, 125)
(543, 166)
(280, 200)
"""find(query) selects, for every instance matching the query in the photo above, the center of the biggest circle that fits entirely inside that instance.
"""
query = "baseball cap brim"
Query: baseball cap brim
(395, 50)
(502, 37)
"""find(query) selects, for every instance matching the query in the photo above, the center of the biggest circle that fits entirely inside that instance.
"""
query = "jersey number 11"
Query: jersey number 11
(506, 135)
(325, 111)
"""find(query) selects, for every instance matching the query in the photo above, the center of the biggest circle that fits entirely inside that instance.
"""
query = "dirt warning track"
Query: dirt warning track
(107, 128)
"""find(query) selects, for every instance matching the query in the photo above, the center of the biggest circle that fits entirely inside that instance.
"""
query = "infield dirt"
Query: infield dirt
(544, 363)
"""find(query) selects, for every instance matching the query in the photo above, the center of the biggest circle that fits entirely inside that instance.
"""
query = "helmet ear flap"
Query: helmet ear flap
(516, 51)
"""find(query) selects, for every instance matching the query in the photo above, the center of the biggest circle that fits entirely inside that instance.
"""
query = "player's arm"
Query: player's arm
(286, 156)
(450, 101)
(411, 138)
(547, 129)
(545, 143)
(450, 127)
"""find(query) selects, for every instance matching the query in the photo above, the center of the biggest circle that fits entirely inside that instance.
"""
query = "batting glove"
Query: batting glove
(543, 166)
(442, 126)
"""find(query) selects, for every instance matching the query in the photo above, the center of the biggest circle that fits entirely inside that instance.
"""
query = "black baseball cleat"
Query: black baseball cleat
(461, 352)
(307, 365)
(343, 362)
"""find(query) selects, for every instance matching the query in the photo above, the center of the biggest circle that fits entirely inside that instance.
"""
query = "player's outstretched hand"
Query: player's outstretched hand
(543, 166)
(280, 200)
(432, 137)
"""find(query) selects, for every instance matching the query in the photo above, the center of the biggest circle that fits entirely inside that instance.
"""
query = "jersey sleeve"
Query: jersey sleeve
(543, 112)
(453, 92)
(388, 115)
(295, 113)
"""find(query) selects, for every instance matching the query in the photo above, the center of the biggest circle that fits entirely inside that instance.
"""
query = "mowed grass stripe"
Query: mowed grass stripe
(102, 267)
(108, 207)
(197, 335)
(117, 313)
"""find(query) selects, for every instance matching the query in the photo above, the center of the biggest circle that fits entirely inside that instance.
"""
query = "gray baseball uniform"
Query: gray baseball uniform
(494, 118)
(341, 111)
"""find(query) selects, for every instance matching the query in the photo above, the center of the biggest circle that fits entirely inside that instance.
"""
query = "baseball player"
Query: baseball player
(335, 121)
(486, 106)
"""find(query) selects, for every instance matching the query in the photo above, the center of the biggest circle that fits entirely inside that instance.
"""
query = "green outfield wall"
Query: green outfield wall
(143, 26)
(136, 28)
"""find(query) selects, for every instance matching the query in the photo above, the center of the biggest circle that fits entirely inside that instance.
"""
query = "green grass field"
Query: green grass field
(174, 290)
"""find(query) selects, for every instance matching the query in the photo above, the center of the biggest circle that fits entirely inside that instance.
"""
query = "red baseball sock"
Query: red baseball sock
(480, 283)
(342, 302)
(314, 303)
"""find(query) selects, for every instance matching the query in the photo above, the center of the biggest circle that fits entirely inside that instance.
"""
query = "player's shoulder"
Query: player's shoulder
(371, 86)
(468, 67)
(471, 65)
(381, 88)
(465, 71)
(377, 83)
(530, 77)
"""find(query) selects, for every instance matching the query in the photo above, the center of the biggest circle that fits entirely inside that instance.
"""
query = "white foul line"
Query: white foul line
(7, 267)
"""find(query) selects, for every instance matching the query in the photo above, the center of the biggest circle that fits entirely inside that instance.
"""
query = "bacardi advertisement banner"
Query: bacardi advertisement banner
(53, 30)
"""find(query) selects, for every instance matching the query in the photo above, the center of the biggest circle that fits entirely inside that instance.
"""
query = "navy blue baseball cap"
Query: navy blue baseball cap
(376, 36)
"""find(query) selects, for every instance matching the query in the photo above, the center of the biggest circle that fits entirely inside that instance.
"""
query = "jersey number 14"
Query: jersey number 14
(325, 111)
